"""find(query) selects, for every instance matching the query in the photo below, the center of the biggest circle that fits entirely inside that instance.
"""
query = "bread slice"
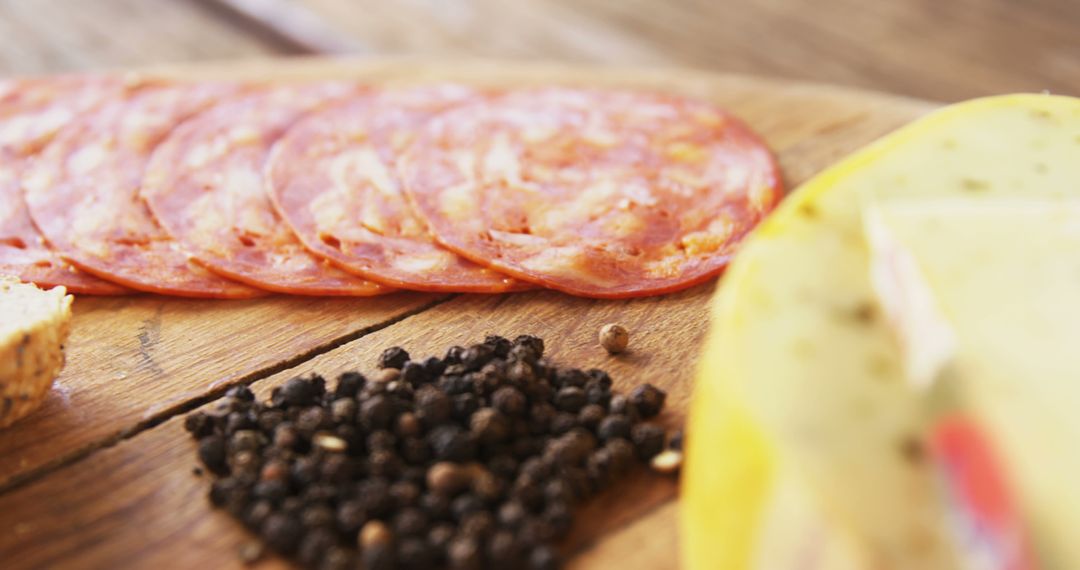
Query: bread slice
(33, 327)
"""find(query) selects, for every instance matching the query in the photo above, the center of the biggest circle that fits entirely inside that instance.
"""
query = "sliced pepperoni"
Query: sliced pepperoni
(596, 193)
(31, 112)
(332, 179)
(205, 186)
(82, 193)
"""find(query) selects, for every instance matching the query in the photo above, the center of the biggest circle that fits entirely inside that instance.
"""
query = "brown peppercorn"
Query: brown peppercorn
(511, 514)
(448, 478)
(489, 425)
(622, 455)
(614, 338)
(408, 424)
(375, 533)
(510, 401)
(648, 400)
(590, 416)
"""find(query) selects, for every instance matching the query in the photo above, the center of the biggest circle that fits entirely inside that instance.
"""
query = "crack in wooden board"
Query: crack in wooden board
(181, 350)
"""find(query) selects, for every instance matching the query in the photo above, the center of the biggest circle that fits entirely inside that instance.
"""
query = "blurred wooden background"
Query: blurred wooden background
(935, 49)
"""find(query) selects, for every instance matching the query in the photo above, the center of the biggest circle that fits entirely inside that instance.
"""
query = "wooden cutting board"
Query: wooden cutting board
(102, 475)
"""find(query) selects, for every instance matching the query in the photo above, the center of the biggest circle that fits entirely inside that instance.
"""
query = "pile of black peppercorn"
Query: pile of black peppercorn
(471, 461)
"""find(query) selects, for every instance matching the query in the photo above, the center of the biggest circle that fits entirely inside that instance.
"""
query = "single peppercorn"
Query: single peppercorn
(570, 399)
(281, 532)
(648, 439)
(613, 426)
(509, 400)
(393, 357)
(212, 454)
(614, 338)
(648, 400)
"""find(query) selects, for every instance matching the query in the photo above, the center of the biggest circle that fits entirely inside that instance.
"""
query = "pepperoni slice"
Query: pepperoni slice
(597, 193)
(205, 186)
(332, 179)
(31, 112)
(82, 193)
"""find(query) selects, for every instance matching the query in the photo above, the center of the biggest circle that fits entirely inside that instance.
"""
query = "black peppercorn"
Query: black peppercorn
(376, 413)
(349, 384)
(613, 426)
(676, 442)
(212, 454)
(433, 406)
(648, 439)
(570, 399)
(281, 532)
(440, 535)
(393, 357)
(199, 424)
(453, 355)
(296, 392)
(501, 345)
(477, 356)
(451, 443)
(648, 400)
(465, 505)
(535, 343)
(313, 545)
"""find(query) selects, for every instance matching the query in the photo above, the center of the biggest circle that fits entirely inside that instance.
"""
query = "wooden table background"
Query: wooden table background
(942, 50)
(929, 49)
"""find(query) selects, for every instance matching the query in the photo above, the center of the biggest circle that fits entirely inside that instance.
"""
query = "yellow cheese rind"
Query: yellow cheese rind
(802, 361)
(32, 333)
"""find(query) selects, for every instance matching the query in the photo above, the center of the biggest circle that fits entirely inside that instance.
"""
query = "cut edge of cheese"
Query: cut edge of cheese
(32, 334)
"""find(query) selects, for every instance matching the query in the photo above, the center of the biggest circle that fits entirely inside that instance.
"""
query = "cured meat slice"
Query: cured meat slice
(205, 186)
(596, 193)
(82, 193)
(31, 112)
(332, 178)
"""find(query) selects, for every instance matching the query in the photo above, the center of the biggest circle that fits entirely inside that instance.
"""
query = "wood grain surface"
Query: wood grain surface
(124, 495)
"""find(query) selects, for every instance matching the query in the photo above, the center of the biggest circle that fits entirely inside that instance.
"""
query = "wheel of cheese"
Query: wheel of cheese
(593, 192)
(83, 193)
(31, 112)
(332, 178)
(205, 186)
